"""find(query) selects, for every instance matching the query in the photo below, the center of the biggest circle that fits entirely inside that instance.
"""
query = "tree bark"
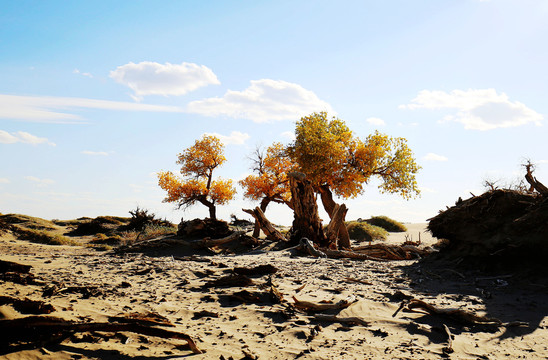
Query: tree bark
(269, 230)
(257, 229)
(337, 221)
(329, 205)
(306, 221)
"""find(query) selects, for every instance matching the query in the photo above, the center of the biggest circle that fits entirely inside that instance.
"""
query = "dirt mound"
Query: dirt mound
(499, 226)
(200, 228)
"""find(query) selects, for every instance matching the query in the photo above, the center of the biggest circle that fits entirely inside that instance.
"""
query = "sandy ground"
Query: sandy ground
(231, 329)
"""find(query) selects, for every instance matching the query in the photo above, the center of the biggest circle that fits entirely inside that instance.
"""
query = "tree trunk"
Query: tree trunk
(265, 225)
(329, 205)
(335, 224)
(257, 229)
(306, 221)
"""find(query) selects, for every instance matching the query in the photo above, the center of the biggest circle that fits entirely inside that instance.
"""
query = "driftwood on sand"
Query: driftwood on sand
(40, 329)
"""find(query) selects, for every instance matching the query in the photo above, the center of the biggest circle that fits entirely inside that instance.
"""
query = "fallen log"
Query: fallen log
(268, 229)
(343, 320)
(39, 329)
(207, 242)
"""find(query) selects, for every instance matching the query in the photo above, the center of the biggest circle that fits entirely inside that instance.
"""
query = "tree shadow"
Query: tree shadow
(508, 293)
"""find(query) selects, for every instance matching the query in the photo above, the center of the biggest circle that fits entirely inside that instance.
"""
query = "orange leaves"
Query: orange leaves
(270, 180)
(198, 163)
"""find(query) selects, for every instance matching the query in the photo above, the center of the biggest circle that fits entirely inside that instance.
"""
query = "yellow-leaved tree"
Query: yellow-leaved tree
(269, 182)
(197, 185)
(337, 162)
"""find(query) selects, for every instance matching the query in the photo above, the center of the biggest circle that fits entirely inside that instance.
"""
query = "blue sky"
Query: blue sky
(98, 96)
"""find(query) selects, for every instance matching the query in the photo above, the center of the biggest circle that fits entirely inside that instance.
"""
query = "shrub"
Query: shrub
(141, 218)
(150, 232)
(363, 231)
(387, 223)
(44, 237)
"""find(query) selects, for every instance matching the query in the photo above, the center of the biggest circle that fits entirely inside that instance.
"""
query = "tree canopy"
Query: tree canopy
(197, 165)
(333, 158)
(269, 182)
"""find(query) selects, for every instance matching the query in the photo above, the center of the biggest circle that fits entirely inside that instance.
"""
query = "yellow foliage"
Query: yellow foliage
(329, 154)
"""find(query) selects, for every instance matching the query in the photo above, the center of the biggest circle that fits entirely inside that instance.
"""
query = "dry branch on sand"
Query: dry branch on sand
(40, 329)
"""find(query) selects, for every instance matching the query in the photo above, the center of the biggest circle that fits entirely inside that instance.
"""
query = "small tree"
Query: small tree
(269, 182)
(336, 162)
(198, 163)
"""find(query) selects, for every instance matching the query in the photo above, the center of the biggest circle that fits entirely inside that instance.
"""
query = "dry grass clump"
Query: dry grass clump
(387, 223)
(43, 236)
(363, 231)
(149, 232)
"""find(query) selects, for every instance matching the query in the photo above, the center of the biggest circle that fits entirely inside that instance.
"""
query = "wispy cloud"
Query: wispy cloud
(480, 109)
(152, 78)
(47, 109)
(4, 181)
(434, 157)
(375, 121)
(235, 138)
(95, 153)
(264, 100)
(76, 71)
(40, 182)
(22, 137)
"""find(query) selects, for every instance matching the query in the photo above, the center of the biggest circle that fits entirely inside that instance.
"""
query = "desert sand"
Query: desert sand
(225, 324)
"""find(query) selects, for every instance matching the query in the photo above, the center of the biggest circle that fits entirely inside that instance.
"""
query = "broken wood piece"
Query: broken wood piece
(37, 329)
(338, 254)
(343, 320)
(146, 318)
(207, 242)
(449, 348)
(415, 305)
(27, 306)
(307, 246)
(310, 306)
(354, 280)
(268, 229)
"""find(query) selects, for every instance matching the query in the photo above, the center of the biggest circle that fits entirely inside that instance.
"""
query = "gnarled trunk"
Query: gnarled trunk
(330, 206)
(306, 221)
(257, 228)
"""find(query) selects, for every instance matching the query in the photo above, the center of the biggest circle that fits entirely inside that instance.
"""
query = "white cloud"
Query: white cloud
(76, 71)
(151, 78)
(95, 153)
(481, 109)
(264, 100)
(434, 157)
(288, 135)
(4, 181)
(22, 137)
(235, 137)
(39, 182)
(375, 121)
(45, 108)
